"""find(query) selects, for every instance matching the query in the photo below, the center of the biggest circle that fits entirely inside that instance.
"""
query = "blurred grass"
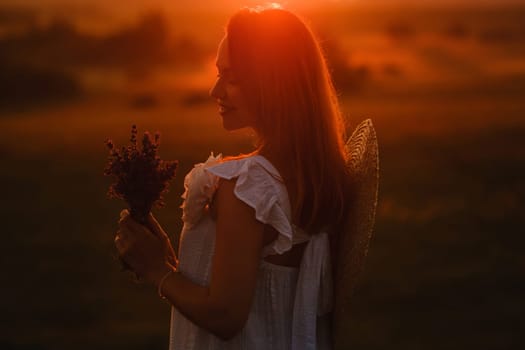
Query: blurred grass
(451, 277)
(445, 266)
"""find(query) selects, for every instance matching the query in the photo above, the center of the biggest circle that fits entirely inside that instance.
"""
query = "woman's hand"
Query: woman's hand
(147, 251)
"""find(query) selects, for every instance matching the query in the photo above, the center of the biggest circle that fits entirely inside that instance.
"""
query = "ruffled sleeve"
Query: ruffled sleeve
(258, 186)
(199, 189)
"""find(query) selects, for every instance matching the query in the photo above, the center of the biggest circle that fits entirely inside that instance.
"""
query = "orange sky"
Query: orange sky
(201, 4)
(103, 16)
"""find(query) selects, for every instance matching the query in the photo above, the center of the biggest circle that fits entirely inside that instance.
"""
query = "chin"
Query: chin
(230, 127)
(231, 124)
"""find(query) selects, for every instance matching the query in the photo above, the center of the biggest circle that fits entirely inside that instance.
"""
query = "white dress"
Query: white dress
(291, 305)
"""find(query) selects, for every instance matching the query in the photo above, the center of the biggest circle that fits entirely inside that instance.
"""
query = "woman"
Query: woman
(254, 267)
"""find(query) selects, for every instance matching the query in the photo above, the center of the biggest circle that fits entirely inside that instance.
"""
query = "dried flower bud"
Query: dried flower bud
(141, 177)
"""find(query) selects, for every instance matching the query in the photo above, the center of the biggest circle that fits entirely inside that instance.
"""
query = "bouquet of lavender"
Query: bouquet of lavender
(141, 177)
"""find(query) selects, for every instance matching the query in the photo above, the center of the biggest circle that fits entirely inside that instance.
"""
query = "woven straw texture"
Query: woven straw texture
(353, 242)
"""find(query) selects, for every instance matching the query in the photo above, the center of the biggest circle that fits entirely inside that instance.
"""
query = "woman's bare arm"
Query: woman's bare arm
(224, 306)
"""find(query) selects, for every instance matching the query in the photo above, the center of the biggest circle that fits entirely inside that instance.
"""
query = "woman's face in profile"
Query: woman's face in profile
(233, 106)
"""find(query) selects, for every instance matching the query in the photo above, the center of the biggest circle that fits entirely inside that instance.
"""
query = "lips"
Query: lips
(225, 108)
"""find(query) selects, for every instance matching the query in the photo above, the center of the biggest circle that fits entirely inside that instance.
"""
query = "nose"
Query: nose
(218, 91)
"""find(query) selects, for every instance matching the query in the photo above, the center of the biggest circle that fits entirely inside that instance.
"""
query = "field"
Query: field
(444, 89)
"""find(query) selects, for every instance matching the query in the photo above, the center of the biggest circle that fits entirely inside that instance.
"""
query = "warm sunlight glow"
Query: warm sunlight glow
(442, 80)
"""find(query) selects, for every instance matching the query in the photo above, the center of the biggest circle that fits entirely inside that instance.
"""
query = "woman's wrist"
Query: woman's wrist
(161, 283)
(158, 276)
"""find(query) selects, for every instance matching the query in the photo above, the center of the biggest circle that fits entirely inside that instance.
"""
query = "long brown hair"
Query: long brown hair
(280, 66)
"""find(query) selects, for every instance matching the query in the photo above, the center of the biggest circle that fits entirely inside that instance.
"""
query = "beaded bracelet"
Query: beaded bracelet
(159, 289)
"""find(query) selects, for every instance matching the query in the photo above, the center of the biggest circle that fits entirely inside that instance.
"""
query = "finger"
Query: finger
(119, 235)
(123, 239)
(120, 245)
(125, 219)
(134, 230)
(128, 223)
(123, 233)
(124, 213)
(155, 226)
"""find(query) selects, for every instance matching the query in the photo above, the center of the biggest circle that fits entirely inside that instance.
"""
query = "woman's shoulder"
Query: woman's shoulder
(252, 165)
(257, 182)
(252, 170)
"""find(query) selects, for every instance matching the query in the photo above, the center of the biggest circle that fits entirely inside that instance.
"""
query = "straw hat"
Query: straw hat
(353, 242)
